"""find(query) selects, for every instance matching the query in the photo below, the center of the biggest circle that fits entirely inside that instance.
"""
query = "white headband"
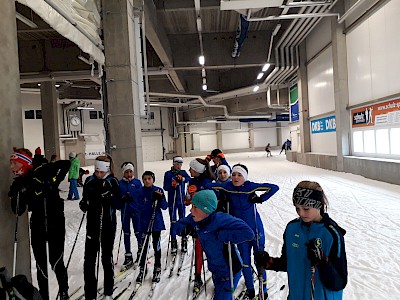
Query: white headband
(103, 166)
(240, 170)
(224, 167)
(178, 160)
(127, 167)
(197, 166)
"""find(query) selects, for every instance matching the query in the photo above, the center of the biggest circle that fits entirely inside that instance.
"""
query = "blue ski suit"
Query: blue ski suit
(146, 203)
(130, 211)
(176, 201)
(240, 207)
(330, 276)
(214, 232)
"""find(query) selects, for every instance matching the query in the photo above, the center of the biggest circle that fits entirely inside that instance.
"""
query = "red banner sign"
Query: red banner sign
(382, 114)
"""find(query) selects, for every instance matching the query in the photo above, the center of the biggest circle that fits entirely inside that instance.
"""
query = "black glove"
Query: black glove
(127, 198)
(83, 205)
(314, 252)
(223, 200)
(263, 260)
(255, 199)
(157, 195)
(189, 230)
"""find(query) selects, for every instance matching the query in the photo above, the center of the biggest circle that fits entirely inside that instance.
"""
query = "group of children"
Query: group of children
(223, 214)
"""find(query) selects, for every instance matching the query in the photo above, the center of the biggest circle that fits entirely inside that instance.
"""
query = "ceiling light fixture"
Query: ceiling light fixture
(266, 67)
(202, 60)
(84, 107)
(260, 75)
(204, 87)
(256, 88)
(25, 20)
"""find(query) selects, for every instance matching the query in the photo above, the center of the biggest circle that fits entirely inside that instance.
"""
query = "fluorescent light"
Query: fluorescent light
(203, 72)
(204, 81)
(255, 89)
(38, 84)
(202, 60)
(57, 85)
(84, 59)
(25, 20)
(84, 107)
(260, 75)
(211, 121)
(204, 87)
(266, 67)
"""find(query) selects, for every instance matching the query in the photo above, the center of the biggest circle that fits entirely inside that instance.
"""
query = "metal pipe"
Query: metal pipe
(306, 3)
(146, 76)
(349, 11)
(295, 16)
(72, 21)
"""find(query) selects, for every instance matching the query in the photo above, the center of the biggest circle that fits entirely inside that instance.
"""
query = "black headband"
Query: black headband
(307, 197)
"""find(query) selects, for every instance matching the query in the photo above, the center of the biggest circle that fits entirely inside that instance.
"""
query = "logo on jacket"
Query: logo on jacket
(318, 242)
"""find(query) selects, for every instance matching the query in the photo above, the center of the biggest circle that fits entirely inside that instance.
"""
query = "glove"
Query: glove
(83, 205)
(263, 260)
(189, 230)
(221, 155)
(315, 253)
(223, 200)
(179, 178)
(192, 189)
(157, 195)
(208, 158)
(174, 183)
(126, 198)
(255, 199)
(188, 200)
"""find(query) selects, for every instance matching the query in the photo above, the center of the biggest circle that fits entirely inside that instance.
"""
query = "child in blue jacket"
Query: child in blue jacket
(242, 204)
(129, 187)
(215, 230)
(151, 200)
(175, 184)
(313, 252)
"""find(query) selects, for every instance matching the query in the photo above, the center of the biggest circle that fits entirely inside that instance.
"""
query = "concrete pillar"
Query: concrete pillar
(48, 96)
(278, 134)
(219, 136)
(305, 138)
(251, 136)
(122, 84)
(180, 142)
(341, 91)
(11, 135)
(188, 141)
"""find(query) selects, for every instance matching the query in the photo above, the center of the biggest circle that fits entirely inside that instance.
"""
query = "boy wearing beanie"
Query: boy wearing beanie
(215, 231)
(73, 176)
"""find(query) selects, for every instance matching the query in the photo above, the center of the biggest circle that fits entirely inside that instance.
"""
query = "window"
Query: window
(38, 114)
(93, 114)
(100, 114)
(30, 114)
(358, 144)
(395, 141)
(382, 141)
(369, 141)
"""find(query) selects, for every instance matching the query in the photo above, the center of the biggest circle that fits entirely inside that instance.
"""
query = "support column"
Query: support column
(48, 96)
(251, 136)
(11, 135)
(219, 136)
(305, 138)
(122, 84)
(180, 142)
(341, 91)
(278, 134)
(188, 141)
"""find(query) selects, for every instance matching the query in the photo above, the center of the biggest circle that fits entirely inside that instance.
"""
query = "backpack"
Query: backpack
(16, 288)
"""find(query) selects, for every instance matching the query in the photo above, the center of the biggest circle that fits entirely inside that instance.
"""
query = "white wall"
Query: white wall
(33, 129)
(319, 38)
(373, 56)
(235, 136)
(264, 133)
(320, 84)
(295, 138)
(204, 136)
(323, 142)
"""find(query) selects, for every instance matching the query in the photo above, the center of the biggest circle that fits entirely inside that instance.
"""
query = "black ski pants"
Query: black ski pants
(56, 238)
(156, 247)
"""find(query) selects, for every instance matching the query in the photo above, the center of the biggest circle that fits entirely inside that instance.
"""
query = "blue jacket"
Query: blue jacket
(215, 232)
(330, 276)
(200, 182)
(145, 200)
(178, 192)
(240, 207)
(132, 188)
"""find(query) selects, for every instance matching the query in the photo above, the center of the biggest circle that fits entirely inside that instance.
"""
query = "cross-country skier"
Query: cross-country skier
(242, 198)
(100, 194)
(175, 184)
(215, 230)
(129, 187)
(313, 251)
(200, 180)
(38, 189)
(148, 197)
(218, 159)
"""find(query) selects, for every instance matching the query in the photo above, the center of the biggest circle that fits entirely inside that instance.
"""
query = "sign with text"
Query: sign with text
(294, 103)
(385, 113)
(322, 125)
(92, 154)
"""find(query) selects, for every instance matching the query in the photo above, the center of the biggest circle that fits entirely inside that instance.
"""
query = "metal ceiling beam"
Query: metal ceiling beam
(185, 5)
(158, 38)
(58, 76)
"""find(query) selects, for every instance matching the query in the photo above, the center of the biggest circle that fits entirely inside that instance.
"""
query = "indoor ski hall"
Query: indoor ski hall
(278, 92)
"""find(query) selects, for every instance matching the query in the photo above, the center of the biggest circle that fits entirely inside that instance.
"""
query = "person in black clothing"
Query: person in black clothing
(100, 192)
(38, 189)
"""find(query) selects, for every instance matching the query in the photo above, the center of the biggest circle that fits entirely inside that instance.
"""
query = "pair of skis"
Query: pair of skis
(180, 264)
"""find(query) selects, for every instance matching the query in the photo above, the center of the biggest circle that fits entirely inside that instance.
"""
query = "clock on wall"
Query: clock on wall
(75, 123)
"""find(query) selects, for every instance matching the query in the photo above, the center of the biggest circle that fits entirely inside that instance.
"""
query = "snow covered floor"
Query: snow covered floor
(369, 210)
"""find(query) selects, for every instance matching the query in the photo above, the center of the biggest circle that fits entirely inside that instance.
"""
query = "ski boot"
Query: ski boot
(128, 263)
(197, 283)
(250, 294)
(184, 245)
(156, 274)
(64, 296)
(174, 246)
(139, 278)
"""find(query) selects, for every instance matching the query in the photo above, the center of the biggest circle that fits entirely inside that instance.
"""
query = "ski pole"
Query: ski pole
(230, 263)
(120, 233)
(47, 244)
(261, 270)
(191, 269)
(204, 275)
(312, 281)
(98, 253)
(171, 217)
(15, 237)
